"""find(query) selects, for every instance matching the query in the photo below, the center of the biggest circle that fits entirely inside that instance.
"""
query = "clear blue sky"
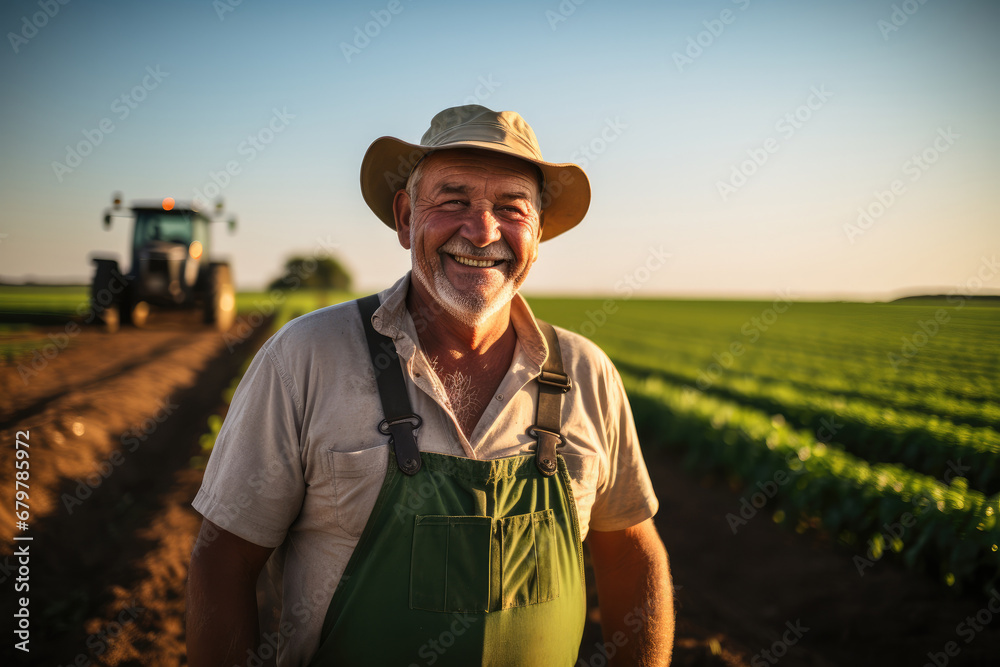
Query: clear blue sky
(664, 181)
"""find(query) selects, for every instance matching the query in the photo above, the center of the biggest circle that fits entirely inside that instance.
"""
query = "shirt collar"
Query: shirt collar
(393, 319)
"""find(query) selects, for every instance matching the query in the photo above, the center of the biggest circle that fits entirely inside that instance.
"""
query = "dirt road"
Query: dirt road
(112, 422)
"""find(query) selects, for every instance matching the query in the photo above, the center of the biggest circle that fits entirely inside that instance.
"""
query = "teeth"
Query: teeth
(479, 263)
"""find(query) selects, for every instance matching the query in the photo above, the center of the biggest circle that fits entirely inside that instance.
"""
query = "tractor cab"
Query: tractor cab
(168, 248)
(171, 266)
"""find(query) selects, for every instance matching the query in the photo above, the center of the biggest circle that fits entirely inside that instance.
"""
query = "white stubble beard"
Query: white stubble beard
(466, 307)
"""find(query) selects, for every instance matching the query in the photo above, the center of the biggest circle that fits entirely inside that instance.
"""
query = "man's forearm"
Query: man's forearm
(636, 597)
(221, 622)
(222, 627)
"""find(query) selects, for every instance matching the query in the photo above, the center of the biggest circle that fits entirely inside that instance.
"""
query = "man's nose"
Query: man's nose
(482, 227)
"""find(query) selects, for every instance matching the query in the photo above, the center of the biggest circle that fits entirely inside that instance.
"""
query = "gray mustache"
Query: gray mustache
(495, 251)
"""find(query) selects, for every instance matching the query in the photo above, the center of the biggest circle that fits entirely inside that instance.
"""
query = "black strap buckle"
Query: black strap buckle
(385, 425)
(404, 442)
(546, 458)
(535, 431)
(560, 381)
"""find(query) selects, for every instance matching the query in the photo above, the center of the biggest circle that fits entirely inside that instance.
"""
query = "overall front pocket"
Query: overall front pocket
(450, 563)
(477, 563)
(528, 557)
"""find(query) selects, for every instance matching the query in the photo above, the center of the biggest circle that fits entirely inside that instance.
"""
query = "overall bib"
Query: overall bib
(462, 561)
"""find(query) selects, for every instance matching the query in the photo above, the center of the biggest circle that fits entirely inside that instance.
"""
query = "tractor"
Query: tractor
(171, 267)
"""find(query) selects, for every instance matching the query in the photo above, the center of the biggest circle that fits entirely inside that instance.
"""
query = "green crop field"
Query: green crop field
(21, 305)
(285, 306)
(877, 423)
(44, 299)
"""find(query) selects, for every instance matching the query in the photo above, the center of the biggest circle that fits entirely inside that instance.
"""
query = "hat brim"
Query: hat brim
(388, 162)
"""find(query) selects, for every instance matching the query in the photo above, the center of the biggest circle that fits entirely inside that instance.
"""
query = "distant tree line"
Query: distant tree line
(325, 273)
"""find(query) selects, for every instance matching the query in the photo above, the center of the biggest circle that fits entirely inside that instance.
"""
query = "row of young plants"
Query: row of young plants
(697, 362)
(207, 440)
(956, 393)
(882, 508)
(929, 443)
(973, 412)
(926, 443)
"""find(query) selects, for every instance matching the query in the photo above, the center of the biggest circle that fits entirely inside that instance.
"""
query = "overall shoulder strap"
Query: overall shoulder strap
(552, 384)
(400, 421)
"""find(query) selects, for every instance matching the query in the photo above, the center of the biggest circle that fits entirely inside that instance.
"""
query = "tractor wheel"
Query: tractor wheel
(140, 313)
(220, 302)
(111, 318)
(125, 306)
(106, 296)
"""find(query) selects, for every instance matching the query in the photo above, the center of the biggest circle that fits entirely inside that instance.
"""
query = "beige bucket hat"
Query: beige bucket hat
(388, 162)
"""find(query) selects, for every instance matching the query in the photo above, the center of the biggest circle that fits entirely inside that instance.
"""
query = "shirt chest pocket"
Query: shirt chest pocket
(356, 480)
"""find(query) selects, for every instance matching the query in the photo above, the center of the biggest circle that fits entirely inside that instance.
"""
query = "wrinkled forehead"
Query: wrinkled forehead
(455, 162)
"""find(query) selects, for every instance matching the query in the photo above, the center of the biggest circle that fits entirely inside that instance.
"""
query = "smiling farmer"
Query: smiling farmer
(418, 469)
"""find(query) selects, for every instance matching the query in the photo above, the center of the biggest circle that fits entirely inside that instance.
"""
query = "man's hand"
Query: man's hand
(635, 595)
(222, 598)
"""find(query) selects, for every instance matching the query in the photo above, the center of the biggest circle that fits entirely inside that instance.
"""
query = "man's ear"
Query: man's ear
(401, 212)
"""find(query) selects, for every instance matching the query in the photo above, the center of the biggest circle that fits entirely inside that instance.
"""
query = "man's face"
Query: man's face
(472, 229)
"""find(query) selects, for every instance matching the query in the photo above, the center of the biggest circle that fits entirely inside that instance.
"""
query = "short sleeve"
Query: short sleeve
(254, 485)
(626, 497)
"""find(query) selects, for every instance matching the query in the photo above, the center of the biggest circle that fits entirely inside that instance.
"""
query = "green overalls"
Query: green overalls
(462, 561)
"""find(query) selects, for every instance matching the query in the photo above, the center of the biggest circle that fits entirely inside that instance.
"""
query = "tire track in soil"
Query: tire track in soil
(76, 434)
(90, 354)
(10, 416)
(128, 543)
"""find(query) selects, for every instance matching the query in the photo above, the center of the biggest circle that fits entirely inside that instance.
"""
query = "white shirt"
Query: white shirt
(299, 461)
